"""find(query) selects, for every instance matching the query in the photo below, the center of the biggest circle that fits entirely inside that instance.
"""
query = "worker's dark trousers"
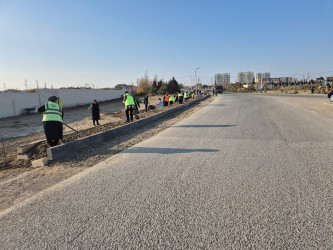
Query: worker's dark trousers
(146, 107)
(53, 143)
(171, 102)
(128, 113)
(95, 120)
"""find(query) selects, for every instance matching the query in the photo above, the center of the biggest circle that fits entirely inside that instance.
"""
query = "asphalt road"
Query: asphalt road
(246, 171)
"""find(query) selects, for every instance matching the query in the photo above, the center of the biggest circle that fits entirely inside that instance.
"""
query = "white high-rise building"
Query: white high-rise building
(261, 76)
(222, 78)
(245, 77)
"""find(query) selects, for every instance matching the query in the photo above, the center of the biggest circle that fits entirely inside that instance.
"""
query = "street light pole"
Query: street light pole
(196, 80)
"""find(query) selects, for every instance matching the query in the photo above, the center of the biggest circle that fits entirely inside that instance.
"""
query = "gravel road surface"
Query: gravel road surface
(246, 171)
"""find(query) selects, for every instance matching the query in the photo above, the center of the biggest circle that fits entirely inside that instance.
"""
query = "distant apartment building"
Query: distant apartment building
(261, 76)
(222, 79)
(245, 77)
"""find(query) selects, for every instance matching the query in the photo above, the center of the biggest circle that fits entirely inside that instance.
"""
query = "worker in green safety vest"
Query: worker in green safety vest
(171, 99)
(186, 96)
(129, 106)
(52, 121)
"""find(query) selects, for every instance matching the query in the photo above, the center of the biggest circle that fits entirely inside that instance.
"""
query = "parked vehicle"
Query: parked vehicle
(219, 89)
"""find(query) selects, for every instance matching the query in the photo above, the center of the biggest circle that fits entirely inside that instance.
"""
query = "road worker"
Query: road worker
(95, 112)
(166, 99)
(186, 96)
(129, 106)
(171, 99)
(180, 97)
(52, 121)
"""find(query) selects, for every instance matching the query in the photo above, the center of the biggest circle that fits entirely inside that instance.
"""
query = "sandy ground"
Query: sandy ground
(18, 183)
(24, 129)
(25, 125)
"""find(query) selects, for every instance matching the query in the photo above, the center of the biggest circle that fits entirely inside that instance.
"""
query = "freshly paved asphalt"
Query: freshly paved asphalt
(246, 171)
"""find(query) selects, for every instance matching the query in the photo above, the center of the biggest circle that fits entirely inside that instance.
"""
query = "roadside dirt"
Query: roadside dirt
(21, 181)
(78, 118)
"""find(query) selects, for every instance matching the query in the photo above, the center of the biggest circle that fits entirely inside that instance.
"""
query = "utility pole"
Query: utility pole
(196, 80)
(26, 84)
(37, 84)
(4, 85)
(191, 82)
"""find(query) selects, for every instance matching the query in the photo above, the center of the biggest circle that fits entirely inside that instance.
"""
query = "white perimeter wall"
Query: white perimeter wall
(12, 104)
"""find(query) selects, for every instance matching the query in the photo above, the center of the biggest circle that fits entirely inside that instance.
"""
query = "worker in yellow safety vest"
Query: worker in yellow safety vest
(52, 120)
(129, 106)
(186, 96)
(171, 99)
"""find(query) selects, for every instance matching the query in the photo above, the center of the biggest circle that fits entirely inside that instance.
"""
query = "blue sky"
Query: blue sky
(71, 42)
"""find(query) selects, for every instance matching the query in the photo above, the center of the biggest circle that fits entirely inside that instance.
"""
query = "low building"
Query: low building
(279, 80)
(121, 87)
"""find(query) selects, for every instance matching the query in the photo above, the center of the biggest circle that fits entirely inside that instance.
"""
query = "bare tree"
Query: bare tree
(144, 83)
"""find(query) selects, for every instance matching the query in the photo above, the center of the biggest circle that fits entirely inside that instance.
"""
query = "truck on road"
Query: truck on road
(219, 89)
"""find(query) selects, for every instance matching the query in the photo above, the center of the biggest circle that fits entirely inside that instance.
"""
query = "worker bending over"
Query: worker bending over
(52, 121)
(129, 106)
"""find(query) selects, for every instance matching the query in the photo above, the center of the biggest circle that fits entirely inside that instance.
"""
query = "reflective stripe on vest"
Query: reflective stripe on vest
(53, 112)
(171, 99)
(129, 100)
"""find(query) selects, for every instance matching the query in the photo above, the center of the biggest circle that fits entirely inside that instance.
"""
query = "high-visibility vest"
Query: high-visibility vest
(186, 95)
(53, 112)
(171, 98)
(166, 98)
(129, 100)
(180, 94)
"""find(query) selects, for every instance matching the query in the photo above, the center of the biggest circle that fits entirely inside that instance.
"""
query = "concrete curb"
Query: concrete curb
(24, 148)
(40, 162)
(72, 146)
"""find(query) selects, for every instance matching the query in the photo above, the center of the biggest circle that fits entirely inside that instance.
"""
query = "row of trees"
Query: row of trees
(155, 86)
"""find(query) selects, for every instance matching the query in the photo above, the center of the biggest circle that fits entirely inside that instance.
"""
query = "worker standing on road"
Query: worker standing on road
(52, 121)
(95, 112)
(129, 106)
